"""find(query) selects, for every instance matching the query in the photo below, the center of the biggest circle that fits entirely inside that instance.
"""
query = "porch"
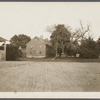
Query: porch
(3, 50)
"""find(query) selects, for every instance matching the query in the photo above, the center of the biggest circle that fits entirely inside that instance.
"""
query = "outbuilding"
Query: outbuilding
(3, 49)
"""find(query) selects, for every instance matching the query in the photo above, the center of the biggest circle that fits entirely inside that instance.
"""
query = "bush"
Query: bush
(1, 47)
(89, 49)
(50, 52)
(85, 53)
(12, 53)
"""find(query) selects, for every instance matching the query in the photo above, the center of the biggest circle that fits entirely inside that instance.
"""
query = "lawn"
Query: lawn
(69, 59)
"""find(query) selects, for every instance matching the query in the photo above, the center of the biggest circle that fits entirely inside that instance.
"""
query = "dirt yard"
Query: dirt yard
(49, 77)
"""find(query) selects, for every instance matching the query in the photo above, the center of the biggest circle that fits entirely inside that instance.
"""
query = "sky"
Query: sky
(32, 18)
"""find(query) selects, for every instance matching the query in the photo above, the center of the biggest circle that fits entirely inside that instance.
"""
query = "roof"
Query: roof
(44, 41)
(2, 39)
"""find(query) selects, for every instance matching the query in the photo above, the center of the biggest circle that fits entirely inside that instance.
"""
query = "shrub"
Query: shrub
(50, 52)
(12, 53)
(89, 49)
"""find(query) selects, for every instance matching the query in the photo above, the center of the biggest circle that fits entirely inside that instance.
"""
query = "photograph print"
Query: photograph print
(49, 47)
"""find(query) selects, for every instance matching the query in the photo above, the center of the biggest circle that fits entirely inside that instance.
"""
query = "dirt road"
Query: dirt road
(49, 76)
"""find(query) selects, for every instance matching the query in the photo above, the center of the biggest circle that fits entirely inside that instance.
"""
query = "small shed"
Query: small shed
(3, 51)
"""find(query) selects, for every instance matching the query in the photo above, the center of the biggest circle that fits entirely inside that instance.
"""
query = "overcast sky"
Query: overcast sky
(32, 18)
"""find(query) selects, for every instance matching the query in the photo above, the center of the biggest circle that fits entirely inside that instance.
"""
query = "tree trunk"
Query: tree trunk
(56, 51)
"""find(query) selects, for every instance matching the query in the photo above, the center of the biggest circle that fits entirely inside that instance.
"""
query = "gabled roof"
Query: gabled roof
(44, 41)
(2, 39)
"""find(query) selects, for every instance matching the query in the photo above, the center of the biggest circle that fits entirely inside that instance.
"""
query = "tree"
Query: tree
(72, 48)
(59, 37)
(76, 38)
(20, 40)
(89, 48)
(79, 34)
(12, 53)
(98, 42)
(63, 39)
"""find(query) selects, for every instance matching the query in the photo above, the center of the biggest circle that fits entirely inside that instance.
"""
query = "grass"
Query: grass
(69, 59)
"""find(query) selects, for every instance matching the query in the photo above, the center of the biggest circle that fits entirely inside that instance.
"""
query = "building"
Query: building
(38, 47)
(3, 49)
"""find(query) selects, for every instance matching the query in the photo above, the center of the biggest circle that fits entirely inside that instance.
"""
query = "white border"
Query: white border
(50, 95)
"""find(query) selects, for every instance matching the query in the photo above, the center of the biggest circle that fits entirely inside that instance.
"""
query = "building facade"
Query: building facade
(3, 51)
(36, 48)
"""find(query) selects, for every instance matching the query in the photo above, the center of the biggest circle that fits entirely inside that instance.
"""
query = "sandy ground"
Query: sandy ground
(49, 77)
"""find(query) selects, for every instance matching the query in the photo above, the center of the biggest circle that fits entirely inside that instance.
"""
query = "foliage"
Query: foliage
(98, 42)
(64, 40)
(12, 52)
(72, 48)
(59, 37)
(89, 48)
(20, 40)
(1, 47)
(50, 52)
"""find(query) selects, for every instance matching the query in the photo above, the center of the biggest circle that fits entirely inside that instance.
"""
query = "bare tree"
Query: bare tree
(51, 28)
(79, 33)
